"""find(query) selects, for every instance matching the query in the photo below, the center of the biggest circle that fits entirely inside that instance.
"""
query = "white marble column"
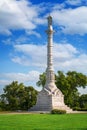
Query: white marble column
(50, 78)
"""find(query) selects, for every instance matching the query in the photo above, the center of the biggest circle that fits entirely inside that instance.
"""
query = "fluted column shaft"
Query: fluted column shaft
(50, 70)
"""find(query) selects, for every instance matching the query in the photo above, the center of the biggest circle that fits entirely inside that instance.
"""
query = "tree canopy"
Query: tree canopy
(68, 83)
(18, 97)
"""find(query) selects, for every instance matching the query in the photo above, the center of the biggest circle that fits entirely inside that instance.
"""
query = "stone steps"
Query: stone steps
(49, 108)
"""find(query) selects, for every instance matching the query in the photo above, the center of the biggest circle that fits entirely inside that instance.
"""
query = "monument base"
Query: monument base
(47, 101)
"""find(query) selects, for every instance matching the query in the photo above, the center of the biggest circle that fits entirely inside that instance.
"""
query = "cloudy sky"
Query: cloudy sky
(23, 40)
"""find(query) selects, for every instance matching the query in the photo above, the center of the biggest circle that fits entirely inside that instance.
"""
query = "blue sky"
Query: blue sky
(23, 39)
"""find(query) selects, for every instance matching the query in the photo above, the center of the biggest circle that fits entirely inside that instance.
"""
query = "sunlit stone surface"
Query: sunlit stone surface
(50, 97)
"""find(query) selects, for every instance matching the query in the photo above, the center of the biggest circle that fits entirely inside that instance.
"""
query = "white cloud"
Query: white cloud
(74, 2)
(21, 77)
(77, 63)
(83, 91)
(21, 39)
(71, 21)
(64, 51)
(20, 14)
(30, 32)
(33, 55)
(66, 57)
(28, 79)
(59, 6)
(4, 82)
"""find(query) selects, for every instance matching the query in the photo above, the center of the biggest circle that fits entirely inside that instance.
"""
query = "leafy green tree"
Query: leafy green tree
(30, 97)
(68, 83)
(83, 101)
(42, 80)
(2, 105)
(18, 97)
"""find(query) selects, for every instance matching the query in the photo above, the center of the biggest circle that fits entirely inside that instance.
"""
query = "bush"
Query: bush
(83, 109)
(76, 108)
(0, 109)
(56, 111)
(79, 109)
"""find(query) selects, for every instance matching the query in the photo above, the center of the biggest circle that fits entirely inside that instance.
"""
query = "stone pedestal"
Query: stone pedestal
(47, 101)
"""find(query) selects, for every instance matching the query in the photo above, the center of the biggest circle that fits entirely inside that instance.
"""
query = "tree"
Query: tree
(42, 80)
(17, 96)
(30, 97)
(83, 101)
(68, 83)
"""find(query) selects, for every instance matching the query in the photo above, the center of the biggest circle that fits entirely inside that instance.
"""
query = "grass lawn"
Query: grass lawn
(43, 122)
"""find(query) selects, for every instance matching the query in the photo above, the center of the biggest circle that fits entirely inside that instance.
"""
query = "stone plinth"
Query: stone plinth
(46, 101)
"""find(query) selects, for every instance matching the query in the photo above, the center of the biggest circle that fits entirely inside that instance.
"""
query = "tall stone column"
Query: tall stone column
(50, 97)
(50, 77)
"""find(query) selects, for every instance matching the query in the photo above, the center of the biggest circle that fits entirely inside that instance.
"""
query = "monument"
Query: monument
(50, 97)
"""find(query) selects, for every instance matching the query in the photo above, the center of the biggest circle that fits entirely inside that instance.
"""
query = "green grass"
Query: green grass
(43, 122)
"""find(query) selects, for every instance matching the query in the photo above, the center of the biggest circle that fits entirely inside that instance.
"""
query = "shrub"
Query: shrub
(83, 109)
(56, 111)
(79, 109)
(76, 108)
(0, 109)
